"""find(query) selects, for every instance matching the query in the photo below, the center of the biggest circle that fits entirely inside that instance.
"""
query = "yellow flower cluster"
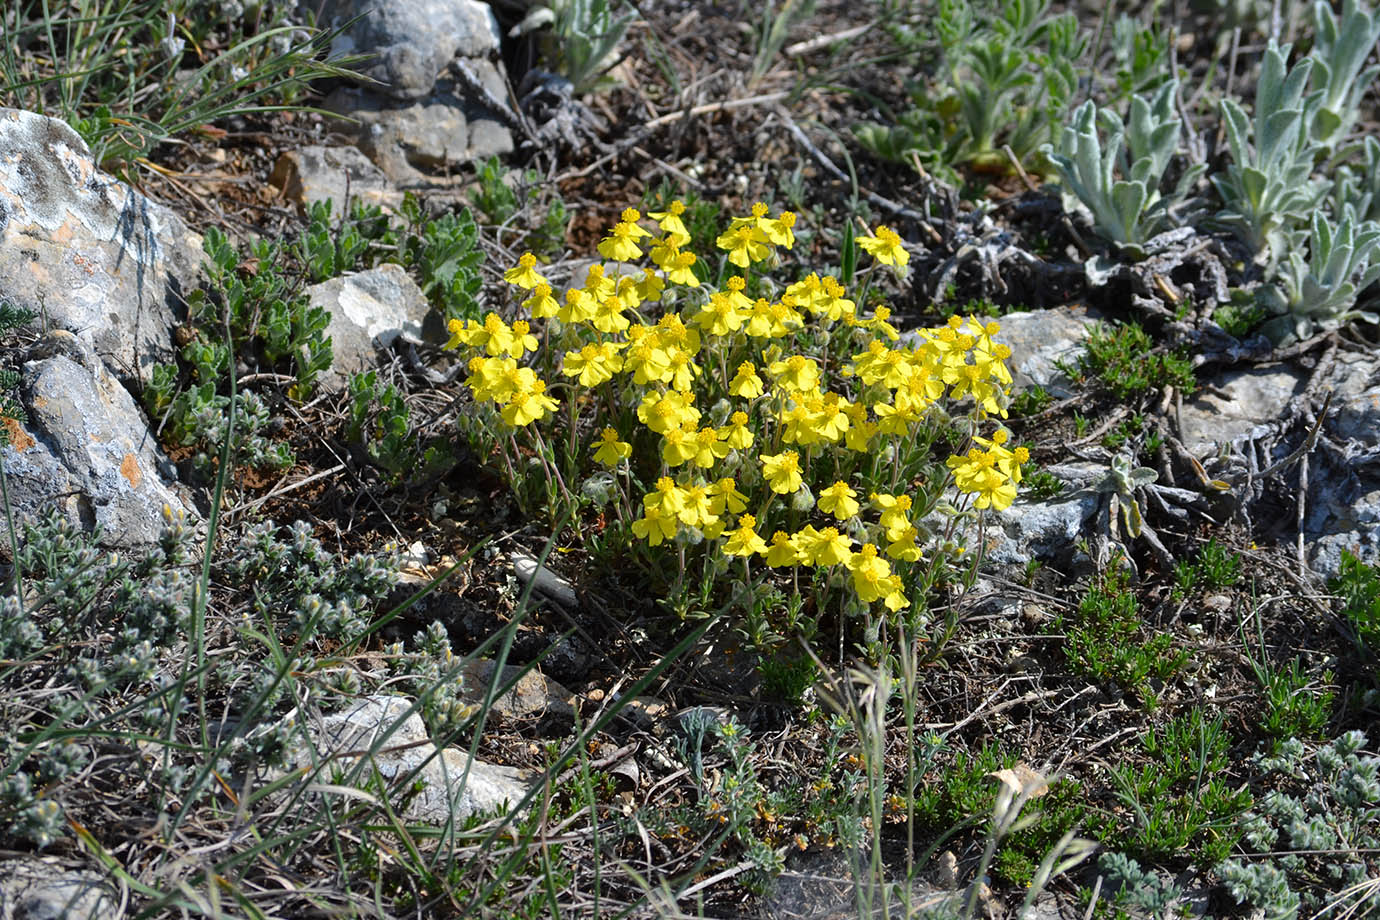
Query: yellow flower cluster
(755, 392)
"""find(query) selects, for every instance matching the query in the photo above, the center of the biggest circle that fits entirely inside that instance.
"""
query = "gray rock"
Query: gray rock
(1040, 338)
(412, 41)
(337, 174)
(418, 143)
(87, 252)
(1346, 518)
(369, 310)
(1356, 398)
(1040, 530)
(85, 448)
(545, 583)
(1249, 402)
(453, 785)
(534, 699)
(40, 889)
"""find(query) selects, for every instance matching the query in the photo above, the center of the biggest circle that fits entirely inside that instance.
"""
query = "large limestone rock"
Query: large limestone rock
(452, 785)
(87, 252)
(85, 449)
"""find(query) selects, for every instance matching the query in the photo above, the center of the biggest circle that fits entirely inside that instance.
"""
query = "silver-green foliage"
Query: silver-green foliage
(1267, 188)
(1359, 188)
(1012, 69)
(583, 37)
(1321, 289)
(1340, 49)
(1128, 210)
(1318, 839)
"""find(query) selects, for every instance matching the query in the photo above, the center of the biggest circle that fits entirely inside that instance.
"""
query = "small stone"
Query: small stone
(408, 42)
(646, 711)
(38, 889)
(544, 582)
(85, 449)
(336, 174)
(534, 700)
(1218, 602)
(369, 310)
(85, 251)
(400, 747)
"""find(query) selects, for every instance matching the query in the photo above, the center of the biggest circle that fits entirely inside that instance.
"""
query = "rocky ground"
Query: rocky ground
(1218, 626)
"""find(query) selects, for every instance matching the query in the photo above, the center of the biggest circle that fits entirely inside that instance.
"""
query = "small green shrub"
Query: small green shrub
(1105, 639)
(1180, 801)
(444, 252)
(1358, 584)
(1030, 401)
(381, 425)
(502, 195)
(329, 248)
(1123, 360)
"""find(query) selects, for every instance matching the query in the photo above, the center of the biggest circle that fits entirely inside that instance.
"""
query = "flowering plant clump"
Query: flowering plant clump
(741, 422)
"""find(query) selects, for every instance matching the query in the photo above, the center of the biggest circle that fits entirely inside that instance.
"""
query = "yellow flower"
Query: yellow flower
(608, 316)
(678, 270)
(745, 244)
(783, 551)
(719, 317)
(610, 451)
(830, 418)
(895, 510)
(593, 364)
(579, 307)
(772, 320)
(860, 431)
(796, 373)
(541, 304)
(736, 435)
(778, 230)
(733, 290)
(885, 246)
(826, 547)
(698, 511)
(744, 540)
(671, 224)
(902, 544)
(651, 286)
(678, 446)
(492, 379)
(708, 448)
(654, 526)
(745, 382)
(664, 411)
(871, 575)
(529, 405)
(978, 473)
(597, 284)
(838, 500)
(493, 336)
(832, 303)
(666, 497)
(456, 328)
(621, 243)
(725, 497)
(681, 371)
(523, 339)
(782, 471)
(524, 274)
(664, 252)
(894, 599)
